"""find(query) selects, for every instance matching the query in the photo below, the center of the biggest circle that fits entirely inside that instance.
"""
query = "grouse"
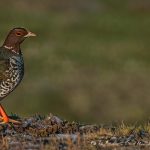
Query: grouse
(11, 65)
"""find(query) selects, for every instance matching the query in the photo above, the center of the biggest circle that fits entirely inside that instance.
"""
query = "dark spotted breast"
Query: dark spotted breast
(12, 76)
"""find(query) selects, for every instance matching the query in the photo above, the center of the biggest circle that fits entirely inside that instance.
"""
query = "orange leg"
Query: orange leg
(4, 115)
(5, 118)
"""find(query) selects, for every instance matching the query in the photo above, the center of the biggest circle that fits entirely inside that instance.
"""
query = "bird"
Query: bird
(11, 66)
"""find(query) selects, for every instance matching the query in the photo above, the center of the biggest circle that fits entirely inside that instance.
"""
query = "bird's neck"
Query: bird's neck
(14, 48)
(12, 44)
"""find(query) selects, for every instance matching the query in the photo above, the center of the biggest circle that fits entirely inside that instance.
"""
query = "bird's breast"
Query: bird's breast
(14, 75)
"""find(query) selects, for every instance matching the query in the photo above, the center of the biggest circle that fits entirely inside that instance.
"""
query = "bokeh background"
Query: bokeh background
(90, 61)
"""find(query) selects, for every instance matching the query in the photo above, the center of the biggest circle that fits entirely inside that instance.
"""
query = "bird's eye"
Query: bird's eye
(18, 33)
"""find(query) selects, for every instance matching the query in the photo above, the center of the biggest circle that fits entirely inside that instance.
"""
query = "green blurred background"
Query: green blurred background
(90, 61)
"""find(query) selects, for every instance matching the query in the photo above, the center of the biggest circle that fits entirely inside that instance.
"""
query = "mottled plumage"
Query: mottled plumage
(11, 64)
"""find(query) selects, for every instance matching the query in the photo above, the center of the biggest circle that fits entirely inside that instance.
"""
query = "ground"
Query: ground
(50, 132)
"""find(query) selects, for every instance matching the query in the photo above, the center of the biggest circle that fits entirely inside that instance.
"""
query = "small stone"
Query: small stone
(93, 143)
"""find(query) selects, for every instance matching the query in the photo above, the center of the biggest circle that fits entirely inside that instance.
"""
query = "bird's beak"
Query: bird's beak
(30, 34)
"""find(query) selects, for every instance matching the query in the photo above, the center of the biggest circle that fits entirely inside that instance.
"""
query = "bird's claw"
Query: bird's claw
(2, 121)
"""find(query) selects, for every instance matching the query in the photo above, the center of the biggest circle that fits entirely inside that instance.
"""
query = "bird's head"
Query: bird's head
(15, 37)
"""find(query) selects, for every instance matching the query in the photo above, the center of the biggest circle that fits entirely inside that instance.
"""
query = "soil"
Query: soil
(52, 133)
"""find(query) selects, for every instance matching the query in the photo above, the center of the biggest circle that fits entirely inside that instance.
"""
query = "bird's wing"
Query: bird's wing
(4, 65)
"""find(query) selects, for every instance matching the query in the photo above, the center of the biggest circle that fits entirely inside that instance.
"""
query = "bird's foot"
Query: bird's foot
(4, 120)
